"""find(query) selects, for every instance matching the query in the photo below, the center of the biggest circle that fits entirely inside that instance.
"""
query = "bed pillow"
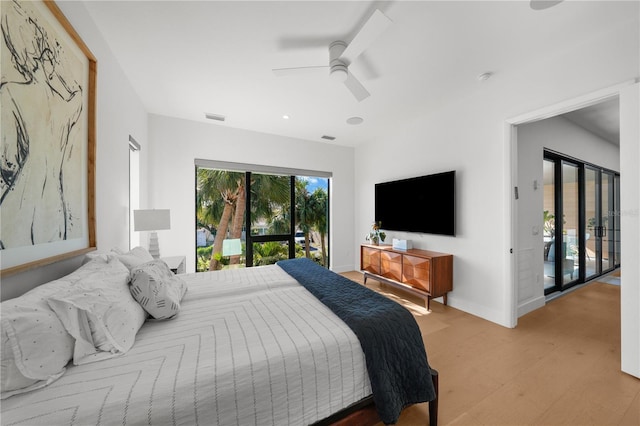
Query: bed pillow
(35, 346)
(157, 289)
(105, 256)
(100, 314)
(136, 256)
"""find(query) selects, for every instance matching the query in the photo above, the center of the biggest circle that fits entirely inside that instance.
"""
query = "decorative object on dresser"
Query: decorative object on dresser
(376, 235)
(152, 220)
(427, 274)
(401, 244)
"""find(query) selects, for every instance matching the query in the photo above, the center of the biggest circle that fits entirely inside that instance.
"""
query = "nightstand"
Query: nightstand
(175, 263)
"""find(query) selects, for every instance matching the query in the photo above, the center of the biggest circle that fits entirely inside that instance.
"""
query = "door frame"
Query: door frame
(511, 179)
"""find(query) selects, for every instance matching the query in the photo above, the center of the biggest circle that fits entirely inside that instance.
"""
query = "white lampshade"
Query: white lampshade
(151, 220)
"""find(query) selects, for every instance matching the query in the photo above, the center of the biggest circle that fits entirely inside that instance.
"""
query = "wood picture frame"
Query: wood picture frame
(48, 131)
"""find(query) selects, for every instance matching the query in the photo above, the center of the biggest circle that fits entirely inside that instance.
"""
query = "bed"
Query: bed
(248, 347)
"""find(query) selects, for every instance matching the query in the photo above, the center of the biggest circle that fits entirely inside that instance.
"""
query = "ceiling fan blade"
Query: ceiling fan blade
(543, 4)
(356, 88)
(282, 72)
(375, 25)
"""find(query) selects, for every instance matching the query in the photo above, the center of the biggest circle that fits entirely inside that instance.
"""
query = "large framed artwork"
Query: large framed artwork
(47, 170)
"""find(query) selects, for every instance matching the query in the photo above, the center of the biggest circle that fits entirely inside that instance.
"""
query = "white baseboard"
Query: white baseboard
(530, 306)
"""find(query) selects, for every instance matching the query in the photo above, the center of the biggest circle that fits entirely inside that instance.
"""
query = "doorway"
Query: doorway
(530, 135)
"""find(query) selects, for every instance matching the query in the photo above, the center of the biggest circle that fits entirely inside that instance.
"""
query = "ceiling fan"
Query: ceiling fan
(543, 4)
(342, 54)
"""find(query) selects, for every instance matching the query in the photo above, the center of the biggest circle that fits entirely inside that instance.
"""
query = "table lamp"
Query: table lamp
(152, 220)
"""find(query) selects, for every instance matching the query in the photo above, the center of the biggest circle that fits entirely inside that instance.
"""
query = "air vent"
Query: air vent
(329, 138)
(216, 117)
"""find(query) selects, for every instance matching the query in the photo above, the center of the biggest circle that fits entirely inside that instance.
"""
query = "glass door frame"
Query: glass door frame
(561, 242)
(559, 160)
(609, 220)
(596, 224)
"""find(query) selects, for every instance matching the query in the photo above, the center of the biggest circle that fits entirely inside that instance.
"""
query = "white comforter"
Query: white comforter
(250, 347)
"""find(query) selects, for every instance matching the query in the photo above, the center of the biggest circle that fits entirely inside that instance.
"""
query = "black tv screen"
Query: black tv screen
(423, 204)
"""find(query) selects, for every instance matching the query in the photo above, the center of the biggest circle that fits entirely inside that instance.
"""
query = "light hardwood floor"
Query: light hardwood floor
(559, 366)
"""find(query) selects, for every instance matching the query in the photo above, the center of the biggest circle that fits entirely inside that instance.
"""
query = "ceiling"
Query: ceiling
(186, 59)
(602, 119)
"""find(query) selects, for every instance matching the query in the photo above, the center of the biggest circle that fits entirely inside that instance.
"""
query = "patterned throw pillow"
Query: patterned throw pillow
(157, 289)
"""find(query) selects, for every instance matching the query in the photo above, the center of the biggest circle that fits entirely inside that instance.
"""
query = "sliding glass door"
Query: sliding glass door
(592, 205)
(569, 226)
(603, 229)
(607, 221)
(582, 236)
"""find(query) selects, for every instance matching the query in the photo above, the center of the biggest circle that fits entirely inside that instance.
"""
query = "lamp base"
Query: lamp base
(154, 248)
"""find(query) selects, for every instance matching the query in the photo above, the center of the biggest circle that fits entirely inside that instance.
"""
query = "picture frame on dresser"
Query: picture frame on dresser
(48, 137)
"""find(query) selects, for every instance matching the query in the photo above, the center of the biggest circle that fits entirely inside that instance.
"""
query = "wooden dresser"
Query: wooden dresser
(425, 273)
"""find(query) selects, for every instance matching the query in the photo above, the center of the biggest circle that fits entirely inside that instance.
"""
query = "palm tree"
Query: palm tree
(318, 202)
(269, 196)
(219, 186)
(303, 213)
(267, 193)
(221, 201)
(238, 217)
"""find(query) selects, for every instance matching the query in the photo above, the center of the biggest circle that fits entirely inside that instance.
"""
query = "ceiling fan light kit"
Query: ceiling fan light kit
(337, 68)
(341, 55)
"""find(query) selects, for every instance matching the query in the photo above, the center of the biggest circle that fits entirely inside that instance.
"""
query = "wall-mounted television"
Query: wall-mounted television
(423, 204)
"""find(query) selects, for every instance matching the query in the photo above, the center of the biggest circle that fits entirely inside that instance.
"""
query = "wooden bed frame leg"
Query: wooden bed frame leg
(433, 405)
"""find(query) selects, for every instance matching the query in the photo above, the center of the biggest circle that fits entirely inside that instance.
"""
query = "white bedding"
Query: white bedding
(249, 347)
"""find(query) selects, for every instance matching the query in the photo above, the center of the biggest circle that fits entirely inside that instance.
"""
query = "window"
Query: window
(286, 213)
(134, 188)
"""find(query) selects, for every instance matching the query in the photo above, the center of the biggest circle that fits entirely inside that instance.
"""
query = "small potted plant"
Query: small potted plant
(375, 235)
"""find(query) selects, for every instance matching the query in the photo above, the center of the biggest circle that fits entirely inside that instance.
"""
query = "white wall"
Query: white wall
(468, 135)
(119, 114)
(560, 135)
(175, 143)
(630, 227)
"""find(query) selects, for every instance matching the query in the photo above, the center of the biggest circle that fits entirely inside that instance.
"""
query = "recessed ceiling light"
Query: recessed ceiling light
(286, 117)
(355, 120)
(485, 76)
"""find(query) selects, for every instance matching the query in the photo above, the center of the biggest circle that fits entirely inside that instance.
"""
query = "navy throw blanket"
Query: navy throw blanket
(389, 335)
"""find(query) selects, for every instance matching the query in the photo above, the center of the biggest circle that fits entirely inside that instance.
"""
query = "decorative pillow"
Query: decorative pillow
(35, 345)
(100, 314)
(157, 289)
(137, 256)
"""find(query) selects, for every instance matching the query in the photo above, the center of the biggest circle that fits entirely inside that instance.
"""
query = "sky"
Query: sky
(315, 182)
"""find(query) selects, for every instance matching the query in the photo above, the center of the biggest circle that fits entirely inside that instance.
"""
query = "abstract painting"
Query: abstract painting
(47, 93)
